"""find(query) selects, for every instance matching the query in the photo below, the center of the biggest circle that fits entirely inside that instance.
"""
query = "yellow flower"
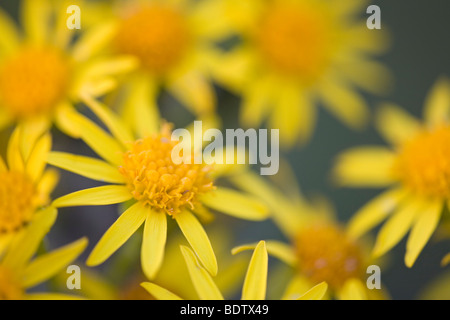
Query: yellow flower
(417, 168)
(320, 249)
(254, 287)
(295, 53)
(172, 40)
(25, 183)
(18, 271)
(143, 171)
(42, 71)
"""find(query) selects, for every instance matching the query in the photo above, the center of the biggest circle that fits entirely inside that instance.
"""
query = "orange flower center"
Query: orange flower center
(33, 81)
(295, 40)
(326, 254)
(156, 34)
(157, 181)
(423, 163)
(18, 201)
(9, 287)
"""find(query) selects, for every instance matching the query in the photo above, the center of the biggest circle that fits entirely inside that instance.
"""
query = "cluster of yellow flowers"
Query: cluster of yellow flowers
(101, 86)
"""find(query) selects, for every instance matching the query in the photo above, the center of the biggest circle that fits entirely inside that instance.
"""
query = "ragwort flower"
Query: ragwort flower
(43, 70)
(417, 169)
(297, 53)
(143, 171)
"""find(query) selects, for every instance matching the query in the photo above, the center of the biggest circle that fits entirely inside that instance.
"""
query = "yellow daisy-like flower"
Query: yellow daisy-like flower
(295, 52)
(143, 171)
(42, 70)
(255, 283)
(25, 183)
(416, 166)
(19, 271)
(172, 39)
(320, 248)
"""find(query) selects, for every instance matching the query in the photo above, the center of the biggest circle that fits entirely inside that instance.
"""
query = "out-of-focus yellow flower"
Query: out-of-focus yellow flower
(255, 283)
(297, 53)
(42, 70)
(25, 183)
(143, 171)
(417, 168)
(172, 40)
(320, 248)
(19, 272)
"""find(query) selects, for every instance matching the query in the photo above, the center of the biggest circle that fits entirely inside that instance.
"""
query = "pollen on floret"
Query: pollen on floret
(423, 162)
(156, 181)
(326, 254)
(33, 81)
(157, 34)
(19, 200)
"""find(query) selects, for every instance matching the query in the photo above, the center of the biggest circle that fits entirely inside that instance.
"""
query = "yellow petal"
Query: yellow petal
(13, 154)
(345, 103)
(85, 166)
(255, 282)
(422, 230)
(195, 92)
(203, 283)
(140, 106)
(35, 18)
(437, 104)
(235, 204)
(48, 182)
(36, 162)
(46, 266)
(102, 143)
(25, 244)
(397, 226)
(198, 239)
(64, 114)
(3, 167)
(159, 292)
(32, 129)
(98, 196)
(275, 248)
(296, 287)
(315, 293)
(153, 243)
(256, 102)
(294, 115)
(121, 230)
(93, 40)
(375, 212)
(364, 166)
(395, 124)
(353, 289)
(112, 122)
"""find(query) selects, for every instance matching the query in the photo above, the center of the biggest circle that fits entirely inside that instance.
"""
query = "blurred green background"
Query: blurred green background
(419, 54)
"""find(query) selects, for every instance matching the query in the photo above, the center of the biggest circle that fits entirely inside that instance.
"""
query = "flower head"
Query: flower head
(416, 166)
(43, 72)
(295, 53)
(142, 170)
(320, 249)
